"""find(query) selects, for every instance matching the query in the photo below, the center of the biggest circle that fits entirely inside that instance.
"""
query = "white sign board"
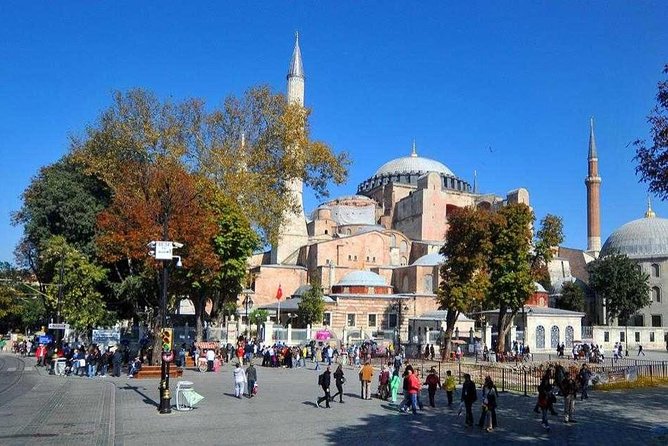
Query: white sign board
(53, 326)
(106, 337)
(163, 250)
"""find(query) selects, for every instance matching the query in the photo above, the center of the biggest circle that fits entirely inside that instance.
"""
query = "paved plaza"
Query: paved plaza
(53, 410)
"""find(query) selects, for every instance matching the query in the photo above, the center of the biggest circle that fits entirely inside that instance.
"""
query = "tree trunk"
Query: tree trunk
(450, 321)
(199, 315)
(505, 322)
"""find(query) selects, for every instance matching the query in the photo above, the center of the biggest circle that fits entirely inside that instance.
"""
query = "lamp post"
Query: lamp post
(399, 307)
(248, 304)
(60, 297)
(163, 250)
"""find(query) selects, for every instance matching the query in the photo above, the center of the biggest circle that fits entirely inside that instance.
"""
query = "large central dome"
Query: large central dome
(415, 164)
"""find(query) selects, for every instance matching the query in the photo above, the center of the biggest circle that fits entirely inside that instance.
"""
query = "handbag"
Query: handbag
(254, 391)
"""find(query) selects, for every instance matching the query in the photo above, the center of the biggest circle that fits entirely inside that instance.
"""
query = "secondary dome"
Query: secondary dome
(362, 278)
(414, 164)
(432, 259)
(645, 237)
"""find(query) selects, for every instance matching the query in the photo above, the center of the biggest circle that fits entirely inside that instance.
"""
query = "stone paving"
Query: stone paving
(71, 410)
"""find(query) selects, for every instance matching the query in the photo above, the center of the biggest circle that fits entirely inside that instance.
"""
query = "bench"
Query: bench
(154, 371)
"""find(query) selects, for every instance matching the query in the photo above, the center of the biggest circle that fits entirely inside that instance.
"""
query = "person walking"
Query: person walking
(640, 352)
(366, 373)
(395, 382)
(239, 380)
(251, 378)
(433, 382)
(489, 398)
(412, 387)
(584, 376)
(569, 388)
(384, 383)
(449, 385)
(469, 396)
(324, 380)
(544, 392)
(339, 380)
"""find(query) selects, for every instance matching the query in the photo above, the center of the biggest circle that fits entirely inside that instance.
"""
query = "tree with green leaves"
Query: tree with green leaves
(620, 284)
(76, 293)
(61, 200)
(549, 236)
(21, 306)
(571, 298)
(311, 308)
(464, 274)
(257, 317)
(653, 159)
(511, 278)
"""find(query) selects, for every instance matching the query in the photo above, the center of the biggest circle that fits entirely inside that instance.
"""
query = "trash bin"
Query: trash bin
(186, 397)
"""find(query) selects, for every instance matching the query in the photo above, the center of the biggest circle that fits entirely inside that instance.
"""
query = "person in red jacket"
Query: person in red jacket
(433, 382)
(413, 385)
(40, 353)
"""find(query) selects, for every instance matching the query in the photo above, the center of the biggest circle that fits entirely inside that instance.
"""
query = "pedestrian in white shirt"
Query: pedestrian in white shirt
(239, 380)
(210, 358)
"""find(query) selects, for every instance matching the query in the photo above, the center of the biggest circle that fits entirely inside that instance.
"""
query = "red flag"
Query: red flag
(279, 293)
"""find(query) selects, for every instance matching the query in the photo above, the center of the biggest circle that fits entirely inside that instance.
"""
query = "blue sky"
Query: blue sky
(519, 77)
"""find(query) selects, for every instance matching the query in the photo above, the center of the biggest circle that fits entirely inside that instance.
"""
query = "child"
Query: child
(449, 386)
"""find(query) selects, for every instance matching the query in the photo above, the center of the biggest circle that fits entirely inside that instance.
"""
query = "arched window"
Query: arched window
(656, 270)
(404, 261)
(404, 246)
(540, 337)
(428, 283)
(554, 339)
(656, 294)
(393, 241)
(569, 337)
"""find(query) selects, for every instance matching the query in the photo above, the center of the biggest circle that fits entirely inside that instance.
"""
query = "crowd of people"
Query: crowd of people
(557, 381)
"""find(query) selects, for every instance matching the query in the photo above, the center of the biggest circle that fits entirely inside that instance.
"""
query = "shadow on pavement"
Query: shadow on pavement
(147, 399)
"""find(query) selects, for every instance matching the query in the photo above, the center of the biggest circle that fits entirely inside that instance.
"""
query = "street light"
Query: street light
(248, 304)
(164, 250)
(399, 307)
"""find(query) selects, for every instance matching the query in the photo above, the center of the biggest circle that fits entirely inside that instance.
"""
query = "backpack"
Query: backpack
(321, 379)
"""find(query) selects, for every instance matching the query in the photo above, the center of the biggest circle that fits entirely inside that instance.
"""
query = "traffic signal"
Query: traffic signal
(151, 249)
(166, 339)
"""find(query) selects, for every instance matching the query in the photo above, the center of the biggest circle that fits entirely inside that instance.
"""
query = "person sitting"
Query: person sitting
(135, 367)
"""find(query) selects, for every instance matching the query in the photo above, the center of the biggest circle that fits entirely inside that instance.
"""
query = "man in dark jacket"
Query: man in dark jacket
(251, 378)
(117, 360)
(324, 380)
(469, 396)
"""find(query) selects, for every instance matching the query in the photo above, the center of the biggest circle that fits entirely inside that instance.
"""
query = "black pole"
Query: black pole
(165, 396)
(60, 298)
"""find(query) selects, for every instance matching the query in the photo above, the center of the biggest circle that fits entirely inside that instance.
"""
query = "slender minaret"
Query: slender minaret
(593, 183)
(293, 233)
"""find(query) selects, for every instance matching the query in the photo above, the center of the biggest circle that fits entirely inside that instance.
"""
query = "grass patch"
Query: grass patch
(637, 384)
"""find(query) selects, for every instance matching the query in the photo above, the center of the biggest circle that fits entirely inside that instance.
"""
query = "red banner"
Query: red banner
(279, 293)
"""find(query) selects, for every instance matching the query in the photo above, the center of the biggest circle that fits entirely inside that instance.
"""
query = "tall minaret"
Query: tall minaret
(593, 183)
(293, 233)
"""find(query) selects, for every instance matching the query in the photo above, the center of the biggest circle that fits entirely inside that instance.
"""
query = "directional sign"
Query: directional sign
(163, 250)
(53, 326)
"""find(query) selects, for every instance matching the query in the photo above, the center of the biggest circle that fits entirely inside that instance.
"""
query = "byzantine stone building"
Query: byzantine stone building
(375, 253)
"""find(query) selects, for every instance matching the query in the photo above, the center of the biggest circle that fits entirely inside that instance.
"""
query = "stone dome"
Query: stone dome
(642, 238)
(362, 278)
(415, 164)
(432, 259)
